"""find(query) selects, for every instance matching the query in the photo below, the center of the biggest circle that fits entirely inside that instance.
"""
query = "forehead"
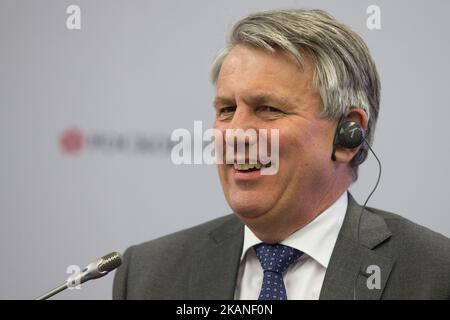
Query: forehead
(248, 68)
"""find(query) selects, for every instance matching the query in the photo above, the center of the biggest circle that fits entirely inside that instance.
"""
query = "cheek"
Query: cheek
(220, 127)
(292, 143)
(306, 146)
(221, 170)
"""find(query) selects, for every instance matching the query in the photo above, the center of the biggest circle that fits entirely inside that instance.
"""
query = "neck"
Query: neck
(271, 230)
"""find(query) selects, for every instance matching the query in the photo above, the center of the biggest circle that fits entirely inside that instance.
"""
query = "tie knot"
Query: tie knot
(276, 257)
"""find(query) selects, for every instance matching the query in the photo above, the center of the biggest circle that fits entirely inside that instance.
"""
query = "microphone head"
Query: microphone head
(109, 262)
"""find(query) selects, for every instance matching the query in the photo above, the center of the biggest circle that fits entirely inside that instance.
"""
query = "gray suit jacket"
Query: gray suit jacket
(203, 262)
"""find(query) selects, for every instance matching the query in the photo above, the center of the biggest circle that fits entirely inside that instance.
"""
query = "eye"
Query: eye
(227, 110)
(269, 109)
(225, 113)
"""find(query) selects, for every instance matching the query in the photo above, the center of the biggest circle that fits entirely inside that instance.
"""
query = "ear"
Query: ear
(345, 155)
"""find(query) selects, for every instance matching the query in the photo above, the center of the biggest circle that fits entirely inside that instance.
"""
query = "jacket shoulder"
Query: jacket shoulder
(185, 239)
(414, 236)
(422, 259)
(165, 258)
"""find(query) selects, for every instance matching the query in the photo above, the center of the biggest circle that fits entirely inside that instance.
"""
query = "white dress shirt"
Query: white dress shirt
(303, 279)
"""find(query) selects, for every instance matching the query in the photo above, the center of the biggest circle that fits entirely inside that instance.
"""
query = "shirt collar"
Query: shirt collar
(317, 238)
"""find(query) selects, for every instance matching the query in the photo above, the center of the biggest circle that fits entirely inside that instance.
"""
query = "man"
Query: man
(297, 234)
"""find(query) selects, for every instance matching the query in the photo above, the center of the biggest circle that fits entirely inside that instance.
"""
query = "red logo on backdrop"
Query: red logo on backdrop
(71, 141)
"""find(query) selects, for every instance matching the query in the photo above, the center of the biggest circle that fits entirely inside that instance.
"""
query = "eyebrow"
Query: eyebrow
(258, 99)
(221, 101)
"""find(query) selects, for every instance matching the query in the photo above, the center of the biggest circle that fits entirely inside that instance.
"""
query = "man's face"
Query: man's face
(259, 90)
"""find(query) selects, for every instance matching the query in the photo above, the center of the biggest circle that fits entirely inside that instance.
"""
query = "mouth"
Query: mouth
(249, 167)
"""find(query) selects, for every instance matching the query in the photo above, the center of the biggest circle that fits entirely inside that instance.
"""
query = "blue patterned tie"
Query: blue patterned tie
(275, 259)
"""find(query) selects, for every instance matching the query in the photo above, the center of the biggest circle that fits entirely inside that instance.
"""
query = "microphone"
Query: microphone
(93, 270)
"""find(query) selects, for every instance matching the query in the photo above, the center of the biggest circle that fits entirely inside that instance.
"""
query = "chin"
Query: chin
(250, 200)
(248, 208)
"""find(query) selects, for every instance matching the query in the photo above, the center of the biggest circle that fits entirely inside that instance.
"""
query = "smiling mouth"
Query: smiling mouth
(248, 167)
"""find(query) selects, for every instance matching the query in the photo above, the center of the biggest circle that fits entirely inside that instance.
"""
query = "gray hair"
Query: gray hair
(344, 74)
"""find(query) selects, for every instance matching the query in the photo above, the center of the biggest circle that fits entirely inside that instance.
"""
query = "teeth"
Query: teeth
(242, 166)
(247, 166)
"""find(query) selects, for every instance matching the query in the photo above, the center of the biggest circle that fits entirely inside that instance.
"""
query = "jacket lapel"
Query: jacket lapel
(215, 265)
(357, 263)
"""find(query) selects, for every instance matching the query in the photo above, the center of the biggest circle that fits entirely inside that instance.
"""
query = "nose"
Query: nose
(243, 118)
(241, 135)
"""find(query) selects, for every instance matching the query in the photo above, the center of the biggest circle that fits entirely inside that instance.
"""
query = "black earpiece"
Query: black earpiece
(349, 134)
